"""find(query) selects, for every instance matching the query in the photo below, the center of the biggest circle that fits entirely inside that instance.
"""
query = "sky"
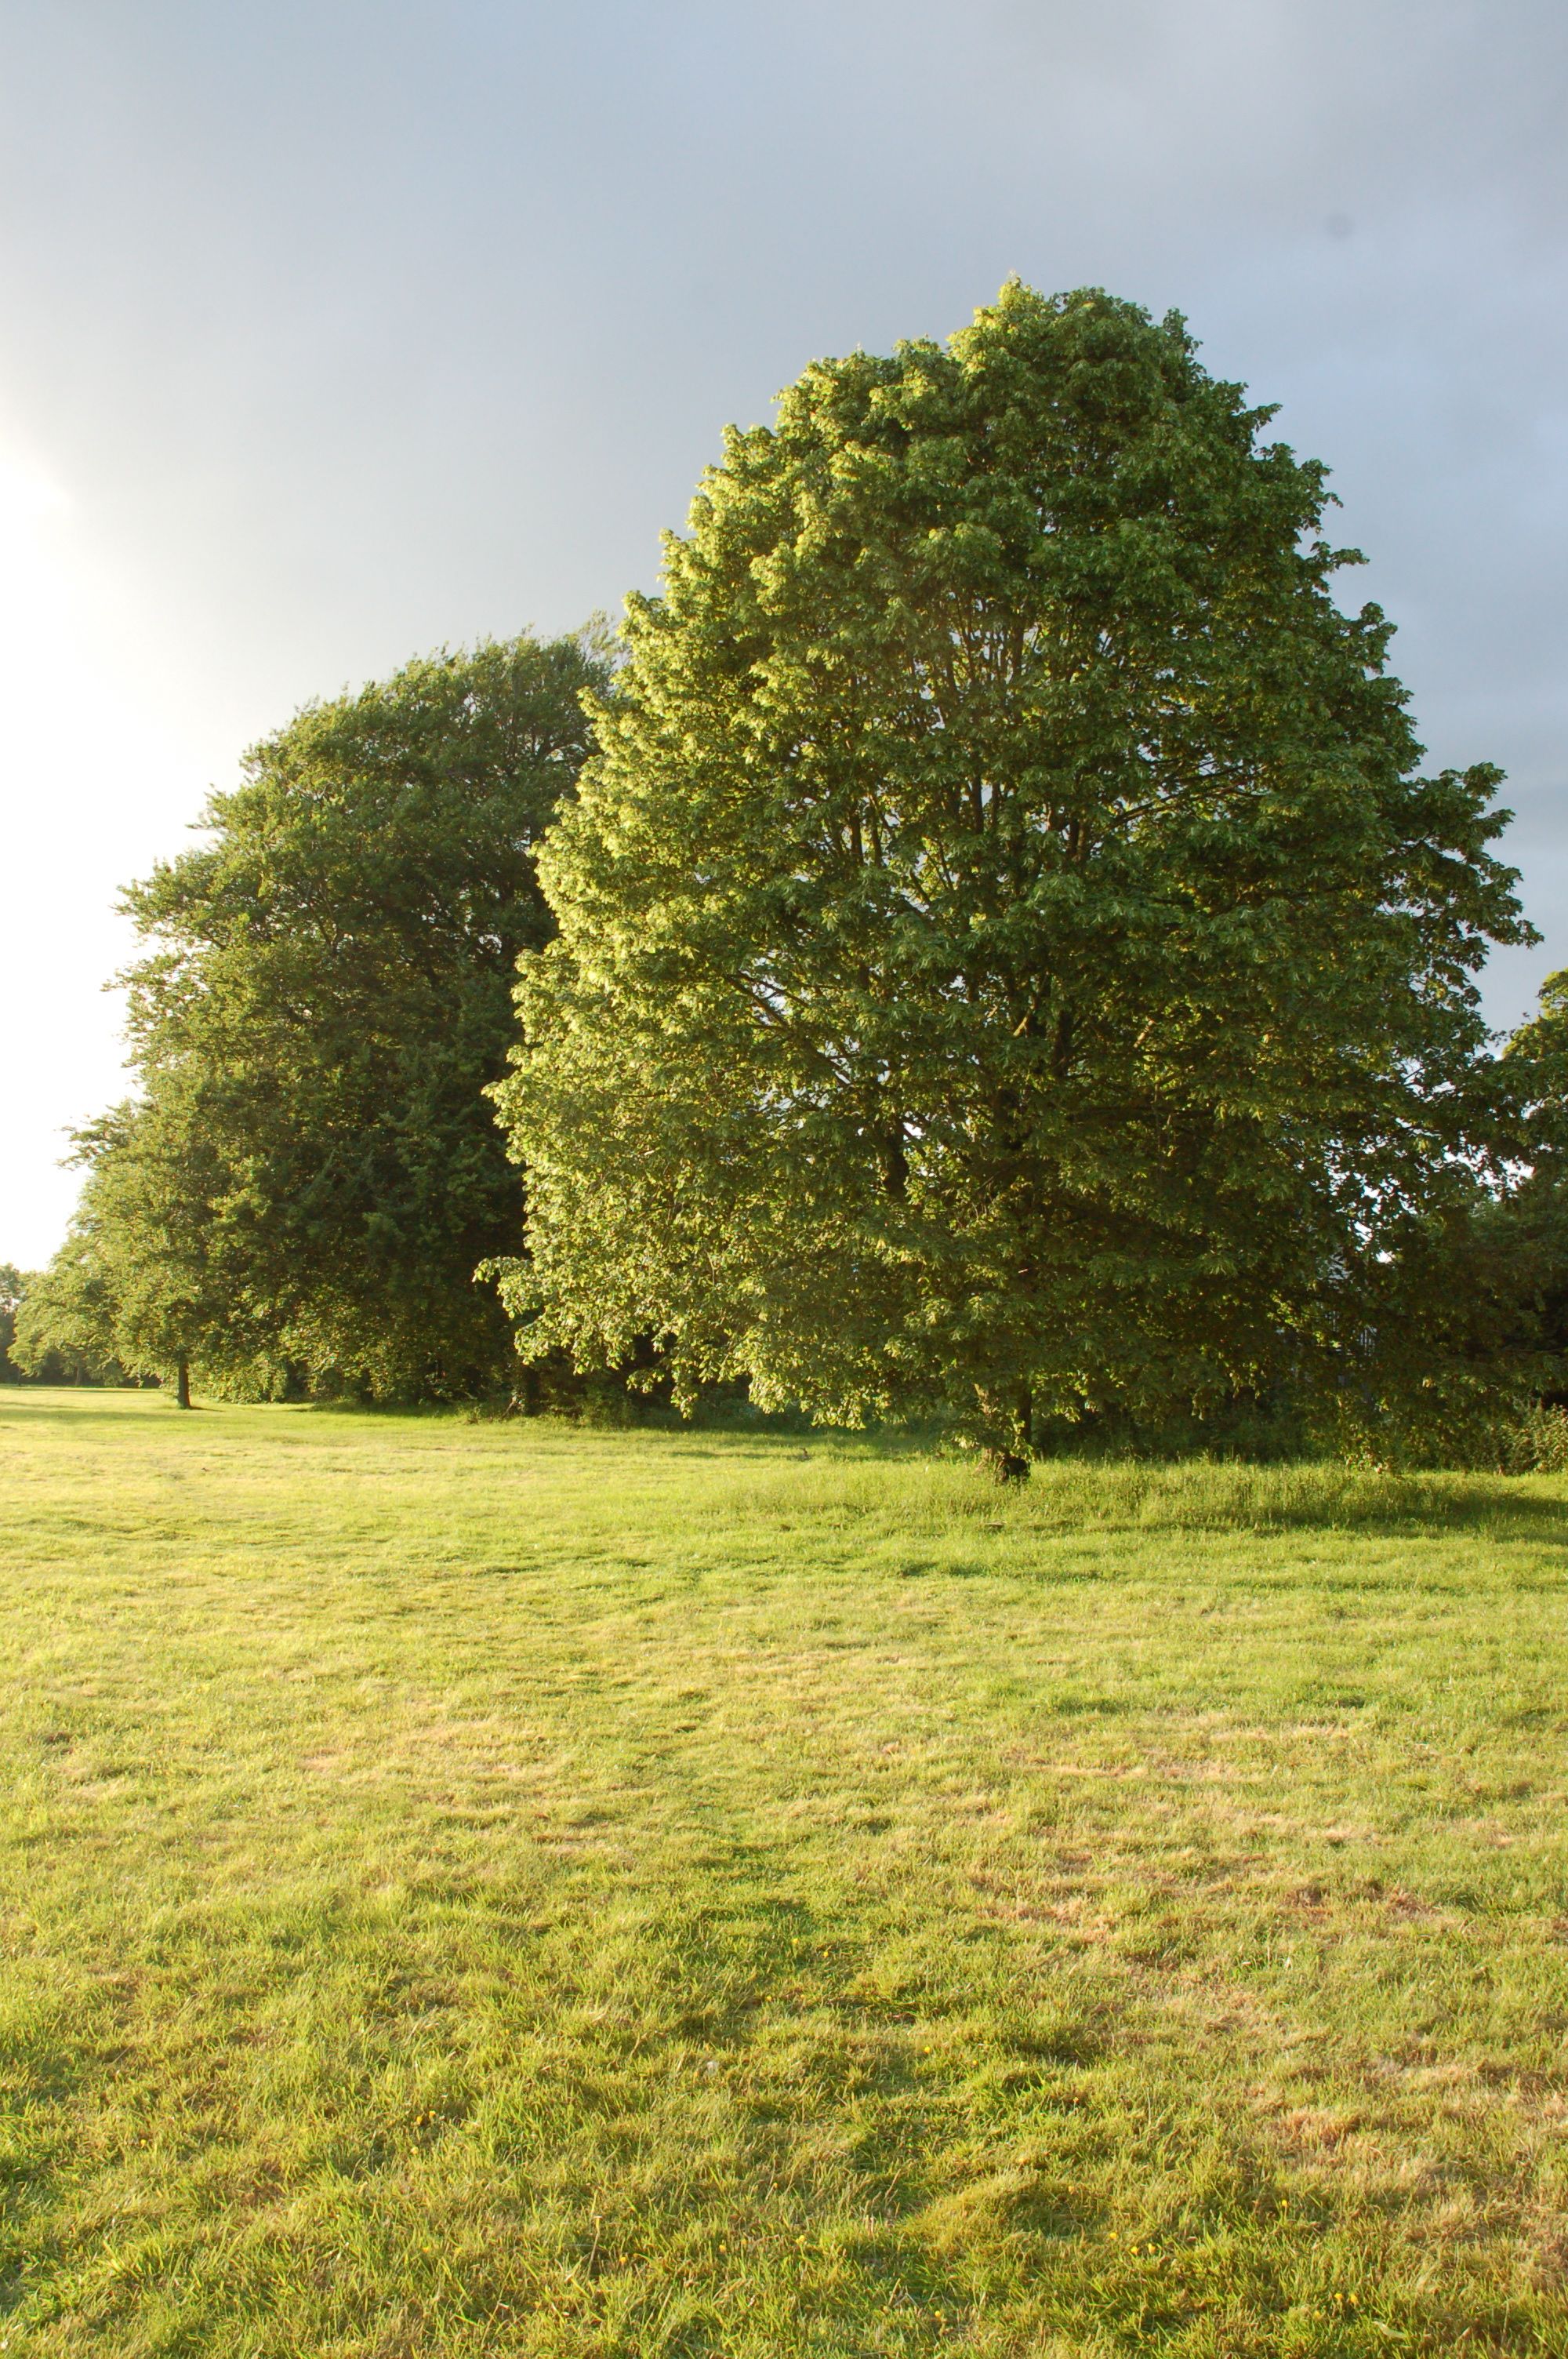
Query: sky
(335, 331)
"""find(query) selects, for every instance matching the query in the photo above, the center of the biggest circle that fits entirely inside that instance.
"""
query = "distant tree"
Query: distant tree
(1009, 960)
(12, 1287)
(1537, 1059)
(139, 1287)
(1535, 1215)
(1461, 1335)
(311, 1172)
(25, 1360)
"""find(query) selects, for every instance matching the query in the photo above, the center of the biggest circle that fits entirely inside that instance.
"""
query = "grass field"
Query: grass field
(504, 1889)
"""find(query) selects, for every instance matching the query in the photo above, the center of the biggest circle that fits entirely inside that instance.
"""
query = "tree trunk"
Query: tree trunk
(182, 1385)
(1011, 1416)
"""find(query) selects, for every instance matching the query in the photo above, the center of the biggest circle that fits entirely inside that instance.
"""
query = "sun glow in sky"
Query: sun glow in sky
(95, 784)
(337, 330)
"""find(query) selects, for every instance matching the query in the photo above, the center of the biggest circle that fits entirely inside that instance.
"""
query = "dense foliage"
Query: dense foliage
(1009, 961)
(310, 1172)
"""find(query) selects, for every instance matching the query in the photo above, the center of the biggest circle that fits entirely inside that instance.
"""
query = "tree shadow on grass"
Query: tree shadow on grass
(1207, 1496)
(97, 1401)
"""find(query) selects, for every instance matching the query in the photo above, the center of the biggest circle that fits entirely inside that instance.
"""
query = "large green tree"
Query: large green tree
(1008, 957)
(311, 1173)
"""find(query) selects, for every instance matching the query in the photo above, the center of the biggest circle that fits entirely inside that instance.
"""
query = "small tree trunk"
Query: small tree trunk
(182, 1385)
(1011, 1418)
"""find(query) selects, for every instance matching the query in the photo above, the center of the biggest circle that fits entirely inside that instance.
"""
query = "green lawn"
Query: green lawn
(499, 1889)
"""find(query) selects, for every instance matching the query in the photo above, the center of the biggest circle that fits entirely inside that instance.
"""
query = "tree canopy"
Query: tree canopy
(1009, 958)
(311, 1172)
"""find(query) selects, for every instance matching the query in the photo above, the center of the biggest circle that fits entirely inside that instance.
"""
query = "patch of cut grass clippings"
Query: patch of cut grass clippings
(481, 1889)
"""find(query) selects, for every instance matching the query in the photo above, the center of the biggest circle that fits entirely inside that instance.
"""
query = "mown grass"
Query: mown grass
(493, 1889)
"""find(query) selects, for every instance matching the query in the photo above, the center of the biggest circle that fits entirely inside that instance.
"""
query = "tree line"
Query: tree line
(981, 946)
